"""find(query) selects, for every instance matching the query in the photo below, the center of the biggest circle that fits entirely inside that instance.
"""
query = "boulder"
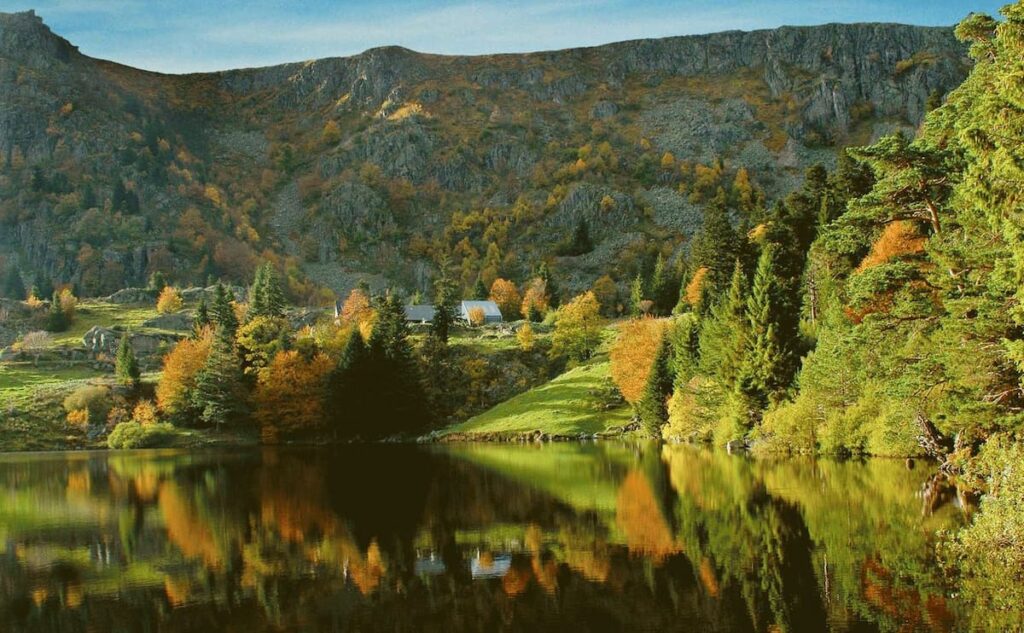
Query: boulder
(127, 296)
(100, 340)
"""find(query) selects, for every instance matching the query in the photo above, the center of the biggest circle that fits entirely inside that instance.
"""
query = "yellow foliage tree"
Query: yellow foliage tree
(633, 355)
(169, 301)
(331, 134)
(577, 328)
(181, 366)
(145, 413)
(290, 393)
(477, 317)
(525, 337)
(506, 295)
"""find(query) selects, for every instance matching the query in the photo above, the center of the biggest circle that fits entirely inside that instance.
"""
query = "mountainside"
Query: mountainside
(370, 166)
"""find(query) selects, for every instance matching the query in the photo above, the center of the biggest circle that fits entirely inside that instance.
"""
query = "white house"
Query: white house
(490, 309)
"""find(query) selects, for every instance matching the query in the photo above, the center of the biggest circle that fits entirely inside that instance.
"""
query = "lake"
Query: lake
(475, 537)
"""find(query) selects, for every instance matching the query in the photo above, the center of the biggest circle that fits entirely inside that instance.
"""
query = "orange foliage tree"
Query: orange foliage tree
(535, 300)
(181, 366)
(506, 295)
(696, 286)
(898, 239)
(633, 355)
(289, 394)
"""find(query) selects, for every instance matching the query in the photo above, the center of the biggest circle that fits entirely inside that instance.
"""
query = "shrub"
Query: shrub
(477, 316)
(93, 400)
(132, 434)
(169, 301)
(525, 337)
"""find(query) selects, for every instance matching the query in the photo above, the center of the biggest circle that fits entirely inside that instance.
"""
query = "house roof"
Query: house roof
(424, 312)
(489, 307)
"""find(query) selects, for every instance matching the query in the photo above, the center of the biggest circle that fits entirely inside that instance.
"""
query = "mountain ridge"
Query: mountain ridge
(356, 167)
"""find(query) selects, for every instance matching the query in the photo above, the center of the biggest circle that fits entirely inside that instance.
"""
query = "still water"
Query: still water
(561, 537)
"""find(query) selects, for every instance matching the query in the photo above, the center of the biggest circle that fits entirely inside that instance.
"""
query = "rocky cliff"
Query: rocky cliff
(368, 166)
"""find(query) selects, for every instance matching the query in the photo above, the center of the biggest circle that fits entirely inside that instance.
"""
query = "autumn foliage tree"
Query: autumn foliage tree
(181, 366)
(577, 328)
(169, 300)
(633, 355)
(535, 300)
(289, 395)
(506, 295)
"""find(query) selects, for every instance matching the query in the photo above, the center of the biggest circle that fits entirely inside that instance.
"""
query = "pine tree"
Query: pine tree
(202, 316)
(581, 242)
(716, 246)
(127, 365)
(552, 288)
(266, 298)
(636, 297)
(222, 313)
(444, 303)
(57, 318)
(393, 381)
(652, 408)
(219, 395)
(664, 287)
(723, 334)
(763, 373)
(157, 282)
(348, 389)
(14, 287)
(480, 292)
(43, 286)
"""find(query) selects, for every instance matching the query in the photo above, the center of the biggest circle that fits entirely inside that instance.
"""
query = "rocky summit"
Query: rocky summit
(370, 166)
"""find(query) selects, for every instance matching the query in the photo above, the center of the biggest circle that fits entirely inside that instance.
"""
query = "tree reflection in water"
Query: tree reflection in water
(469, 537)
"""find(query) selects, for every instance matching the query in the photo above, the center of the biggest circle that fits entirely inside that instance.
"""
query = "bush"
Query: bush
(989, 554)
(93, 400)
(134, 435)
(169, 301)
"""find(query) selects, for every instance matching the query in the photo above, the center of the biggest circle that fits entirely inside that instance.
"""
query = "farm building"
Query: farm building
(420, 313)
(491, 313)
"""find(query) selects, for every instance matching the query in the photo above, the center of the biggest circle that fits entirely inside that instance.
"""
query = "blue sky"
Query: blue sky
(199, 35)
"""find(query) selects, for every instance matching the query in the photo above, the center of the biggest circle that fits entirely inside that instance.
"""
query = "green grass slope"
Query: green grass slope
(573, 404)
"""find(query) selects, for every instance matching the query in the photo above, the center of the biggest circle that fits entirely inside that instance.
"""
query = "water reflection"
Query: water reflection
(470, 537)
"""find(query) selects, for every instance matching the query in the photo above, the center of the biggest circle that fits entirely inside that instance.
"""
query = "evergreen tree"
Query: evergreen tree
(157, 282)
(480, 292)
(636, 297)
(664, 287)
(14, 287)
(348, 388)
(763, 374)
(581, 242)
(117, 198)
(552, 288)
(716, 246)
(445, 303)
(723, 334)
(266, 298)
(219, 395)
(202, 316)
(222, 313)
(56, 318)
(393, 381)
(43, 286)
(127, 365)
(652, 408)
